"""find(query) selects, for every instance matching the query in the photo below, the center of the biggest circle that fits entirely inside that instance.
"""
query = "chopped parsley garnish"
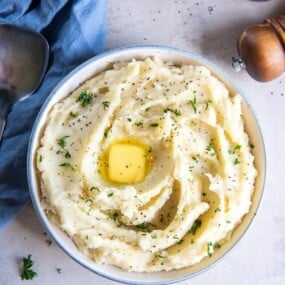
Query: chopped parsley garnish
(115, 217)
(210, 149)
(191, 168)
(161, 256)
(110, 194)
(233, 151)
(106, 104)
(85, 98)
(210, 248)
(179, 241)
(238, 146)
(41, 158)
(193, 103)
(236, 161)
(139, 124)
(73, 115)
(67, 165)
(67, 154)
(129, 119)
(95, 188)
(195, 157)
(217, 210)
(196, 224)
(62, 141)
(28, 273)
(207, 104)
(154, 125)
(89, 200)
(144, 226)
(176, 112)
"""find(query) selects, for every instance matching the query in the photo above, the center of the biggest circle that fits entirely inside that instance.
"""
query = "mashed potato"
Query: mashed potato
(147, 165)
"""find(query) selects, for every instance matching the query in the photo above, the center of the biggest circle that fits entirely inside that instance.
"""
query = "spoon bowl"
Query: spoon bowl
(23, 61)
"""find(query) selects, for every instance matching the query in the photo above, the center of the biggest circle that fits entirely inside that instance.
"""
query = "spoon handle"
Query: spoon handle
(4, 110)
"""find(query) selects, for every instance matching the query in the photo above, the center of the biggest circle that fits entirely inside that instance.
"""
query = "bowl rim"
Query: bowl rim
(35, 133)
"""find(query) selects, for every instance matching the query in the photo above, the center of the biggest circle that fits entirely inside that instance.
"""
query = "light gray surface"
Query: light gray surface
(208, 28)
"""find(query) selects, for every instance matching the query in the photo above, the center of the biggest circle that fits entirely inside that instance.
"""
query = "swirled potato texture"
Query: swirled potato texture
(147, 166)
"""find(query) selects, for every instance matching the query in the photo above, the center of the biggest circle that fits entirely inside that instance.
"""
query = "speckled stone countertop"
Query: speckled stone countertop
(208, 28)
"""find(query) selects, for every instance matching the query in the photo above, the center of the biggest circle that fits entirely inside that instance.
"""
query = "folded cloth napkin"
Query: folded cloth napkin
(75, 30)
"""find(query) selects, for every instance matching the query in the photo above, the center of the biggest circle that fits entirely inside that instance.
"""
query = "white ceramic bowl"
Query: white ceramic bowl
(69, 83)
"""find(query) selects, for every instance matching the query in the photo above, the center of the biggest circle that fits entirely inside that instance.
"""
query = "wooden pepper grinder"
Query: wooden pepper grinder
(261, 49)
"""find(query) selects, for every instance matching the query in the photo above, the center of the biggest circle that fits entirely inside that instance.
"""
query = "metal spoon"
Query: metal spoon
(23, 61)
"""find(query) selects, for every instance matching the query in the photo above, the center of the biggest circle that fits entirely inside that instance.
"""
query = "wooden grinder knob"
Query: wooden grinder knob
(262, 49)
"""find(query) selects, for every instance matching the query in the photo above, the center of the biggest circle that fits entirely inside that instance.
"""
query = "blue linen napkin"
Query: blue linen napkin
(75, 31)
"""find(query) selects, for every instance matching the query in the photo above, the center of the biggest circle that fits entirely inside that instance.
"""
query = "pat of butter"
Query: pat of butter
(127, 163)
